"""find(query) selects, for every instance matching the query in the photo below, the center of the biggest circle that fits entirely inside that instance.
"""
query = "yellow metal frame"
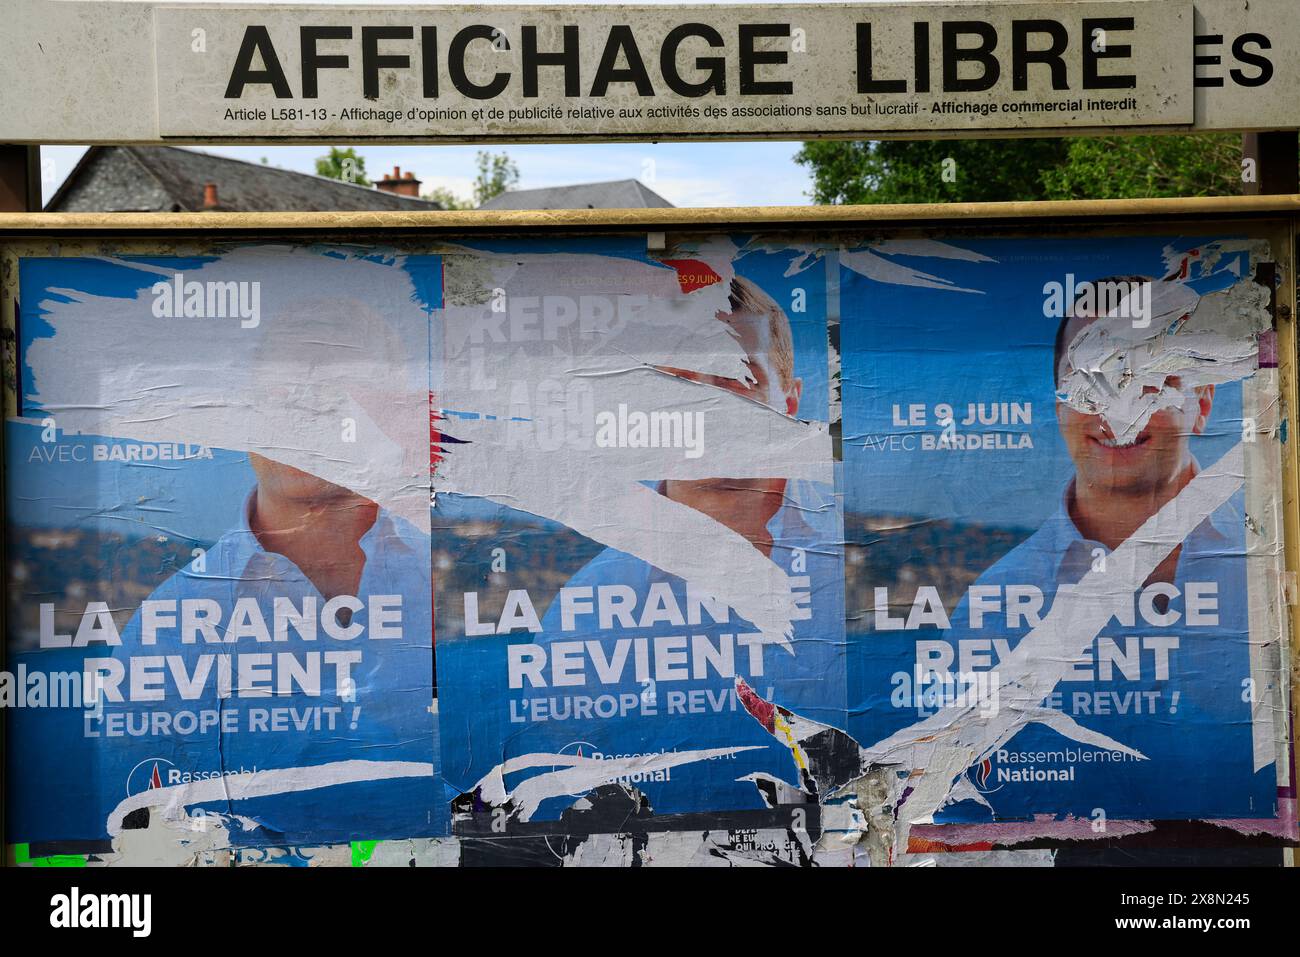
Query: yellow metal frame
(483, 220)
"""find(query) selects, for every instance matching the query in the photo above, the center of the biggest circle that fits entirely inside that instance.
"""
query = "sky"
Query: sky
(685, 174)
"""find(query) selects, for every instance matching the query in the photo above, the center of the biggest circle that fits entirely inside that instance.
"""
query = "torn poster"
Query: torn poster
(218, 522)
(1060, 603)
(754, 549)
(634, 505)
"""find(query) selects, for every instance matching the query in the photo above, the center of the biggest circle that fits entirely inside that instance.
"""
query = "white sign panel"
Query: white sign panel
(455, 73)
(73, 71)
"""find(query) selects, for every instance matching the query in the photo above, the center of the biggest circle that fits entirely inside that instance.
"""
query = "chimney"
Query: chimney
(395, 182)
(209, 195)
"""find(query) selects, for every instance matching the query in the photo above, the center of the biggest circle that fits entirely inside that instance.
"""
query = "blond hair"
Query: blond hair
(747, 297)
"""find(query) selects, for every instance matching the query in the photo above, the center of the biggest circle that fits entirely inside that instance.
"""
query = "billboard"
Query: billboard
(223, 527)
(762, 69)
(784, 547)
(1056, 561)
(601, 408)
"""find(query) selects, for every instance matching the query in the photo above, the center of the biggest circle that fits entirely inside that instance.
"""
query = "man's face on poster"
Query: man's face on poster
(1161, 450)
(302, 488)
(767, 386)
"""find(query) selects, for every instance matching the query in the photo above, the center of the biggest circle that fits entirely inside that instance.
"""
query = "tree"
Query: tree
(343, 164)
(1113, 167)
(924, 171)
(497, 173)
(445, 198)
(1148, 166)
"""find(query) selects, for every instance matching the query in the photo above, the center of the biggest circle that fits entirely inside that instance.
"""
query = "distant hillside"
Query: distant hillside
(541, 560)
(900, 553)
(72, 567)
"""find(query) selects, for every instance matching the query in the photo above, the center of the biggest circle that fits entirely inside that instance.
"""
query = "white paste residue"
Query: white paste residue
(576, 774)
(871, 261)
(171, 801)
(1123, 370)
(939, 749)
(536, 346)
(332, 379)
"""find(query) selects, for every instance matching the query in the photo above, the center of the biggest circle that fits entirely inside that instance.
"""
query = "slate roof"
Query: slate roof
(171, 179)
(614, 194)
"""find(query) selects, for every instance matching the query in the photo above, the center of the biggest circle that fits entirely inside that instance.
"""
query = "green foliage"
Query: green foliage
(497, 173)
(343, 164)
(1114, 167)
(445, 198)
(1136, 167)
(913, 171)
